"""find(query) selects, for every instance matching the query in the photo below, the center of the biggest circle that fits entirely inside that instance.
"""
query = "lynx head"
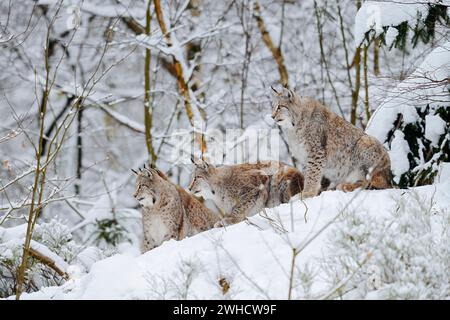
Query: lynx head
(149, 183)
(202, 181)
(282, 106)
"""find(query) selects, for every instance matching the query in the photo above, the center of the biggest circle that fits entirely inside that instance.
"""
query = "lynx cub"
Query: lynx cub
(329, 147)
(245, 189)
(168, 212)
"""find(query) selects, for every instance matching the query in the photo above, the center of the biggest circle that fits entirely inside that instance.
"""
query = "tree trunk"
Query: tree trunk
(79, 150)
(148, 109)
(376, 58)
(355, 92)
(366, 85)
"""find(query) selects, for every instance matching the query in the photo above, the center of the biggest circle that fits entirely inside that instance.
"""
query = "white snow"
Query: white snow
(101, 10)
(88, 257)
(399, 155)
(391, 34)
(255, 258)
(434, 128)
(444, 172)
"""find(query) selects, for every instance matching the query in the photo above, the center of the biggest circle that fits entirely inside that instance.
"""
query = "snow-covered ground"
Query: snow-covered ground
(364, 244)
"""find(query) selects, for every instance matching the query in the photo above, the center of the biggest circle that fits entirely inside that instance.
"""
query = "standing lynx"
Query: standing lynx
(329, 147)
(245, 189)
(168, 212)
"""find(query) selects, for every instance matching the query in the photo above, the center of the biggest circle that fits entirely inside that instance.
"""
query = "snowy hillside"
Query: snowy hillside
(391, 244)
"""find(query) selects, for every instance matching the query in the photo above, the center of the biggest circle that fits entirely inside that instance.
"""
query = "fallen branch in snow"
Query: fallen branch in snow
(48, 262)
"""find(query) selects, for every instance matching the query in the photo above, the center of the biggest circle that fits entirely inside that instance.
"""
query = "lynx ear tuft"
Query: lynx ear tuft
(192, 159)
(202, 164)
(274, 91)
(288, 93)
(148, 173)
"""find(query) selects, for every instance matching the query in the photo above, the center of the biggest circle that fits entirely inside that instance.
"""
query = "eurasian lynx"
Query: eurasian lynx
(329, 147)
(245, 189)
(168, 211)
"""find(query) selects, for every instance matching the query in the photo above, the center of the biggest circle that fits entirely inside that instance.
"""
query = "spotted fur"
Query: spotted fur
(245, 189)
(328, 147)
(168, 211)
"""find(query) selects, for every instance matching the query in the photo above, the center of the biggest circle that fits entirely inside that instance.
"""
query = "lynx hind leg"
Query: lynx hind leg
(381, 179)
(378, 180)
(376, 163)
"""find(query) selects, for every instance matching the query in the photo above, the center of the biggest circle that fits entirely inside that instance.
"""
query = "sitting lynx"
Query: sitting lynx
(168, 212)
(329, 147)
(245, 189)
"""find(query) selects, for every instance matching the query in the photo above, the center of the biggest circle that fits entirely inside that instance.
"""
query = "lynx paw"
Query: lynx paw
(348, 187)
(220, 224)
(228, 221)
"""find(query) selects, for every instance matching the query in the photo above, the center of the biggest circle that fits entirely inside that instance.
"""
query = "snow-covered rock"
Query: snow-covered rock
(434, 128)
(399, 155)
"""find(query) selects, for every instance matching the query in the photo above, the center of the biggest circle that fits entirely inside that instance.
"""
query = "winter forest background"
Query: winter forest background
(90, 89)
